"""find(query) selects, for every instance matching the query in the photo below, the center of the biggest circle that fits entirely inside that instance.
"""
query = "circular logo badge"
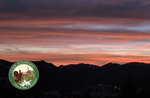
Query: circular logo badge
(23, 75)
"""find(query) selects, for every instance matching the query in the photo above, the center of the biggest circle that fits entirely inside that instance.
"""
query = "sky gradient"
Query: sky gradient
(75, 31)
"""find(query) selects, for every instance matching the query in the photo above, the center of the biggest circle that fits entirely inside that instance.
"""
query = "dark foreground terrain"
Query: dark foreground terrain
(131, 80)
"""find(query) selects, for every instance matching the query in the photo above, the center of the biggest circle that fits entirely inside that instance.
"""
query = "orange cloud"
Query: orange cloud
(50, 40)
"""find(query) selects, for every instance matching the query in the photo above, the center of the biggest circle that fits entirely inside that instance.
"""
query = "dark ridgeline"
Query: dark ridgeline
(82, 81)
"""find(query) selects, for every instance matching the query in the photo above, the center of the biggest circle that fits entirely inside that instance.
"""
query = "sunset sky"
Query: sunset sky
(75, 31)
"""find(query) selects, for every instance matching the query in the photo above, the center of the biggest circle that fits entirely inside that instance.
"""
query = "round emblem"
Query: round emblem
(23, 75)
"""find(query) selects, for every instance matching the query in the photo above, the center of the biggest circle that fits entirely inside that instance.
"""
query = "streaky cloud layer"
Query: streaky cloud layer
(64, 41)
(75, 31)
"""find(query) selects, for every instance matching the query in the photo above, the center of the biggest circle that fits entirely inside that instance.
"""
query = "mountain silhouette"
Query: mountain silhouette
(73, 76)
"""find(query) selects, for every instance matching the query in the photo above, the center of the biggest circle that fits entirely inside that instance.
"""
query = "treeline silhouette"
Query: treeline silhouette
(131, 80)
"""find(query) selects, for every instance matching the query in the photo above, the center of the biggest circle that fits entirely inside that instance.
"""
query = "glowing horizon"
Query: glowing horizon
(83, 31)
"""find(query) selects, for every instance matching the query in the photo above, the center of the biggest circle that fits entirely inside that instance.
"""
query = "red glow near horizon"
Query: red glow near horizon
(76, 40)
